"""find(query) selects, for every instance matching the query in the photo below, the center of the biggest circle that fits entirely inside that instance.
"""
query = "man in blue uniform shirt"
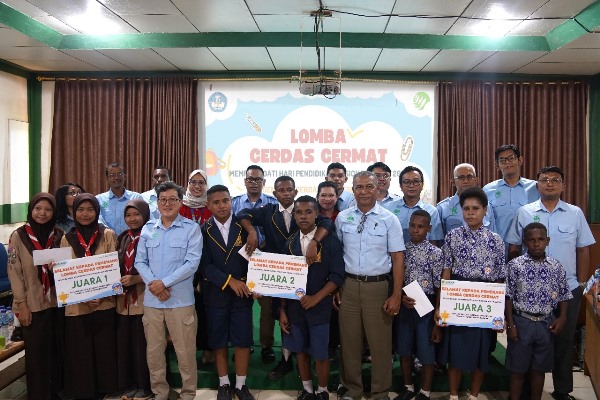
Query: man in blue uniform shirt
(336, 173)
(449, 209)
(113, 202)
(159, 175)
(384, 180)
(570, 238)
(506, 195)
(168, 255)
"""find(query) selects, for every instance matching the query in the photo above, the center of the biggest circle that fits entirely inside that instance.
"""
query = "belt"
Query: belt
(532, 317)
(369, 278)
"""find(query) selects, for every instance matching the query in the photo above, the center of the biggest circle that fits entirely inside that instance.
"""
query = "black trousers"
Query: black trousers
(90, 354)
(43, 353)
(131, 349)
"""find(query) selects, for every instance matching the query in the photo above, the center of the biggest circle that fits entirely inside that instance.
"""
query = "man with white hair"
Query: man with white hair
(449, 209)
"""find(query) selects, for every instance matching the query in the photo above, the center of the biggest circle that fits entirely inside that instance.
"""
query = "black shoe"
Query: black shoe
(243, 393)
(561, 396)
(405, 394)
(421, 396)
(267, 354)
(322, 396)
(224, 392)
(341, 390)
(281, 369)
(304, 395)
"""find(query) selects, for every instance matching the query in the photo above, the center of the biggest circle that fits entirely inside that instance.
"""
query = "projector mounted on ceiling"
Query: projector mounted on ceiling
(321, 85)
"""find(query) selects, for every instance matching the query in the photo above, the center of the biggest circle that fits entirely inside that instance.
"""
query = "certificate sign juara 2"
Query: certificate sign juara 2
(277, 275)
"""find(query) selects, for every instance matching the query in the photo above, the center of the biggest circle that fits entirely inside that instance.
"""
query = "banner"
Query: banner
(272, 125)
(87, 278)
(475, 304)
(277, 275)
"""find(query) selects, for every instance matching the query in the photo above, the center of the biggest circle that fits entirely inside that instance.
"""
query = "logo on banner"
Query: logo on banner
(217, 102)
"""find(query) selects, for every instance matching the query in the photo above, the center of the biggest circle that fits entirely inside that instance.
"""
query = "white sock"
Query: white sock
(471, 397)
(240, 380)
(286, 354)
(426, 392)
(410, 387)
(224, 380)
(321, 389)
(453, 397)
(307, 386)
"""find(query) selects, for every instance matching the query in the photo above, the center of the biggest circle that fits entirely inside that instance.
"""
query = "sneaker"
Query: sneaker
(322, 396)
(142, 394)
(561, 396)
(267, 354)
(243, 393)
(304, 395)
(421, 396)
(405, 394)
(281, 369)
(341, 390)
(114, 395)
(224, 392)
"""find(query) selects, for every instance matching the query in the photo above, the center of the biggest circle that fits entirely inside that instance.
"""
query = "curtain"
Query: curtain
(141, 123)
(546, 120)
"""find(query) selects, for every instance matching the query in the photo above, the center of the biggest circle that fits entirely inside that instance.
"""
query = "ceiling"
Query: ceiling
(534, 37)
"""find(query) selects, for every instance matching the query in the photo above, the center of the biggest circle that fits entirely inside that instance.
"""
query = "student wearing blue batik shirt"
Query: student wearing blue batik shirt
(168, 255)
(449, 208)
(411, 184)
(384, 179)
(336, 173)
(113, 202)
(471, 253)
(535, 285)
(415, 334)
(570, 237)
(506, 195)
(161, 174)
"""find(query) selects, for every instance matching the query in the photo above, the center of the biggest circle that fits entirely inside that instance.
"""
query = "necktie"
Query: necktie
(304, 241)
(287, 217)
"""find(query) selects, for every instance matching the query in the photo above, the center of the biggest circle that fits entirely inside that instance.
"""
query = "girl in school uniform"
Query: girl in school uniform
(90, 331)
(470, 253)
(133, 374)
(64, 205)
(35, 298)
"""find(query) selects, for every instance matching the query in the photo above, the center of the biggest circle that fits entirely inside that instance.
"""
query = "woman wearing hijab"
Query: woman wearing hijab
(194, 200)
(133, 374)
(194, 208)
(64, 204)
(90, 354)
(35, 298)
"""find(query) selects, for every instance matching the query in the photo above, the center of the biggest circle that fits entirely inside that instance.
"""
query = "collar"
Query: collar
(375, 210)
(262, 198)
(561, 205)
(290, 208)
(527, 257)
(227, 223)
(177, 222)
(310, 235)
(519, 183)
(418, 205)
(111, 195)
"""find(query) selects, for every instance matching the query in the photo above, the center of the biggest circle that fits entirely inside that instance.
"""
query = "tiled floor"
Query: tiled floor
(582, 390)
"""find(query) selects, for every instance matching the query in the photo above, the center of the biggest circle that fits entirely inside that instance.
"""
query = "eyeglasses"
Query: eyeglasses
(407, 182)
(361, 224)
(464, 178)
(118, 174)
(253, 180)
(382, 176)
(164, 201)
(506, 160)
(73, 193)
(196, 183)
(369, 188)
(547, 181)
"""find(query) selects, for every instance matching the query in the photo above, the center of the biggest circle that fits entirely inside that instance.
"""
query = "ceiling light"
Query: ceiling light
(93, 21)
(498, 23)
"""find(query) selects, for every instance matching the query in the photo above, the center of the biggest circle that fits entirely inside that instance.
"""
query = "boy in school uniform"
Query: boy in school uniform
(227, 298)
(279, 226)
(415, 334)
(305, 322)
(535, 285)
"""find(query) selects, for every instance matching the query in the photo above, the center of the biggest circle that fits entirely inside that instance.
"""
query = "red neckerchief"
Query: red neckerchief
(86, 246)
(38, 246)
(129, 260)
